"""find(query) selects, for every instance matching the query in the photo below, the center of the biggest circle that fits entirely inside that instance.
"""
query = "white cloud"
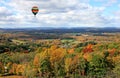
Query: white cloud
(5, 12)
(52, 13)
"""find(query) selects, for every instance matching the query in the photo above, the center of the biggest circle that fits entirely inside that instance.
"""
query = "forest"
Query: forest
(59, 55)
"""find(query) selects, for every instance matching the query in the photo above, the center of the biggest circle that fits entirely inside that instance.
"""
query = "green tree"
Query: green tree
(98, 65)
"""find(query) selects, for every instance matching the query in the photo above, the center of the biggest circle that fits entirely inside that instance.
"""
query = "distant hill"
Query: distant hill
(62, 30)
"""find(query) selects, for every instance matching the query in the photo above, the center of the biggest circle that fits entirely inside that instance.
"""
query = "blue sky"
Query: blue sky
(60, 13)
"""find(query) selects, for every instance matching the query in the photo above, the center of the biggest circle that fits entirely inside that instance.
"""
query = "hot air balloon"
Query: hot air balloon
(35, 10)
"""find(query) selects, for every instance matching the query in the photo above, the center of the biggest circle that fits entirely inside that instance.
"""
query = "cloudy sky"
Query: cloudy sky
(60, 13)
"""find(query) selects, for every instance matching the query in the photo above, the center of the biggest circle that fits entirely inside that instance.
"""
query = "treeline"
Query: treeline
(40, 35)
(18, 47)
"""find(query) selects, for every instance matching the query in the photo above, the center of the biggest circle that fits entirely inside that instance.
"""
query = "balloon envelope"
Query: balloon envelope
(35, 10)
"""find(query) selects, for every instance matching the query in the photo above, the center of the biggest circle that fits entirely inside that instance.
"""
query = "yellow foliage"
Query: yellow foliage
(20, 69)
(57, 55)
(17, 69)
(56, 42)
(40, 57)
(36, 60)
(53, 47)
(71, 63)
(68, 64)
(9, 64)
(116, 59)
(87, 56)
(13, 69)
(70, 51)
(112, 51)
(89, 46)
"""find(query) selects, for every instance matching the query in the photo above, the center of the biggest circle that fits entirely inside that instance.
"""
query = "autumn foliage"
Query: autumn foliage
(88, 48)
(58, 61)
